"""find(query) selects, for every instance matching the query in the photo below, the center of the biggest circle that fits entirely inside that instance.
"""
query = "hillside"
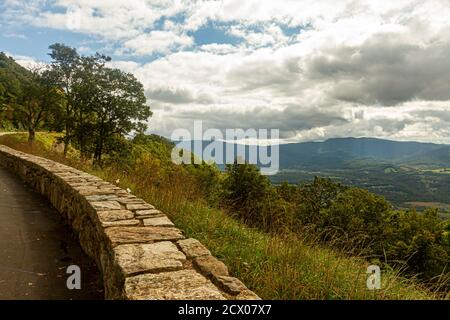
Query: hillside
(275, 266)
(403, 172)
(341, 152)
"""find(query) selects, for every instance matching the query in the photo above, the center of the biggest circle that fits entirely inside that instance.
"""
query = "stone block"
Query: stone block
(140, 214)
(124, 235)
(158, 222)
(130, 200)
(230, 285)
(89, 191)
(247, 295)
(101, 197)
(154, 257)
(139, 206)
(192, 248)
(122, 223)
(105, 205)
(176, 285)
(211, 266)
(114, 215)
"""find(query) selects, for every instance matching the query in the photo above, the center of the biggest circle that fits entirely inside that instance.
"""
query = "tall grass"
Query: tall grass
(275, 267)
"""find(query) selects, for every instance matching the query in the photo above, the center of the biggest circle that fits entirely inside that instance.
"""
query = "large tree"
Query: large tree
(64, 75)
(120, 108)
(87, 88)
(102, 104)
(36, 102)
(12, 76)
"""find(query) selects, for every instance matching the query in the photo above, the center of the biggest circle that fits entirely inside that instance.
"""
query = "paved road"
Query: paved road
(36, 248)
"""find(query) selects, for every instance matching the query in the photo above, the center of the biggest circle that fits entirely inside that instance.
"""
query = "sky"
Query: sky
(312, 69)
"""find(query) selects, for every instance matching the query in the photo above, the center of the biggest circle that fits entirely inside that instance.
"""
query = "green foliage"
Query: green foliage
(355, 218)
(418, 241)
(245, 187)
(352, 220)
(313, 197)
(27, 97)
(251, 198)
(102, 105)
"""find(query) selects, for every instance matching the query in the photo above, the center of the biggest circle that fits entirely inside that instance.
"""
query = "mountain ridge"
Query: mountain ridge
(338, 152)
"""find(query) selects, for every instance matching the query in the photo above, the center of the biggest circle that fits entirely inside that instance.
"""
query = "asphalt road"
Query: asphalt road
(36, 247)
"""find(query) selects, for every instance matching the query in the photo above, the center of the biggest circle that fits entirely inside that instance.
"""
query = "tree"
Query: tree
(11, 77)
(35, 102)
(417, 241)
(357, 217)
(313, 197)
(63, 75)
(102, 104)
(120, 108)
(88, 73)
(250, 196)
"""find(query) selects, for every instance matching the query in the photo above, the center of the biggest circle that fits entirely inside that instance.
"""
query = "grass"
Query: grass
(274, 267)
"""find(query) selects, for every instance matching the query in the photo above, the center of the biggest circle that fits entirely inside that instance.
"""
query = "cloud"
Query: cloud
(384, 70)
(312, 69)
(221, 48)
(178, 96)
(27, 61)
(157, 41)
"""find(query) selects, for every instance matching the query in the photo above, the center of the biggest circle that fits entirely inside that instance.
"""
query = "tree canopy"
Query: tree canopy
(95, 106)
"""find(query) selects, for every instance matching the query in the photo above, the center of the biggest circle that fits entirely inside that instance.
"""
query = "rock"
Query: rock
(101, 197)
(178, 285)
(211, 266)
(155, 257)
(121, 193)
(122, 223)
(105, 205)
(115, 215)
(123, 235)
(192, 248)
(130, 200)
(140, 214)
(139, 206)
(230, 285)
(89, 191)
(247, 295)
(158, 222)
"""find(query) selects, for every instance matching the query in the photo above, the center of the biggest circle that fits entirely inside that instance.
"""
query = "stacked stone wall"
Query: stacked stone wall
(139, 251)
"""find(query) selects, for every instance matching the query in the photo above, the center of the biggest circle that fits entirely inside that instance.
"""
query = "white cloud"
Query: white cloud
(217, 48)
(356, 68)
(157, 41)
(27, 61)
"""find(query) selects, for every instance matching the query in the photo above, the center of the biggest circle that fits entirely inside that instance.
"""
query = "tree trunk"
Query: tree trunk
(31, 135)
(66, 139)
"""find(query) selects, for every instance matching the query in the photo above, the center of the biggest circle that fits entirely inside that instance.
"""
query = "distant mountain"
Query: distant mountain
(345, 152)
(340, 152)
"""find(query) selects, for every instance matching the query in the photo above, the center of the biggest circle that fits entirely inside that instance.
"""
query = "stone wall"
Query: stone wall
(138, 250)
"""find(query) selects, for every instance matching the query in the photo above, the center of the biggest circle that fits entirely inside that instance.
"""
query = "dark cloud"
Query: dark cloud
(288, 121)
(384, 70)
(177, 96)
(443, 115)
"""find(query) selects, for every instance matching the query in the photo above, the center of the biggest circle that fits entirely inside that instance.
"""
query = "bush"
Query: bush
(417, 241)
(358, 219)
(250, 197)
